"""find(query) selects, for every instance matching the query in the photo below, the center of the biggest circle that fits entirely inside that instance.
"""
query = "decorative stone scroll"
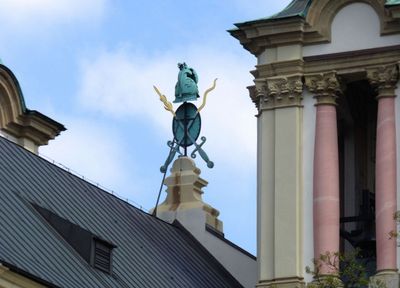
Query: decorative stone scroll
(278, 92)
(325, 86)
(253, 95)
(258, 92)
(384, 79)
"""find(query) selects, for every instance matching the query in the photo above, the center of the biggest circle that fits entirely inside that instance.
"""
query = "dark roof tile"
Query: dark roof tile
(149, 253)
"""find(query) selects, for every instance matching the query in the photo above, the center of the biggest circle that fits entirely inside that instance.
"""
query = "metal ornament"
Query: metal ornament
(186, 124)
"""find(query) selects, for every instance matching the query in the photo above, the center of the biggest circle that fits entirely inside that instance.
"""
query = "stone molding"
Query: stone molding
(325, 87)
(278, 92)
(17, 120)
(289, 67)
(395, 11)
(253, 95)
(184, 193)
(384, 79)
(257, 35)
(289, 282)
(352, 61)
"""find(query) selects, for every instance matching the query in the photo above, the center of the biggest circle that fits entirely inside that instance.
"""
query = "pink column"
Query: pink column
(385, 184)
(326, 183)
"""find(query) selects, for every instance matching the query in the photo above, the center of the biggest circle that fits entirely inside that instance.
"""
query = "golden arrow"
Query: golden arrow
(167, 105)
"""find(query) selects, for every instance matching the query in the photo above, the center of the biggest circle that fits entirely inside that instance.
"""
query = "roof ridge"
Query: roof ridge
(86, 180)
(203, 249)
(77, 175)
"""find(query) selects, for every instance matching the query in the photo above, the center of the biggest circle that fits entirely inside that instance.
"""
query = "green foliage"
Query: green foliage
(352, 272)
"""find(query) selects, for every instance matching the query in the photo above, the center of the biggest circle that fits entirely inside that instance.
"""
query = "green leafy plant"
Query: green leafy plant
(352, 272)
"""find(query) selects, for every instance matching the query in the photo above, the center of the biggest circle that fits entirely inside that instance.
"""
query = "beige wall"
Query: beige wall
(9, 279)
(280, 194)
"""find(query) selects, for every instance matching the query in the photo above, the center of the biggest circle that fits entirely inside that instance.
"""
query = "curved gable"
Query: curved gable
(12, 102)
(343, 27)
(322, 13)
(29, 128)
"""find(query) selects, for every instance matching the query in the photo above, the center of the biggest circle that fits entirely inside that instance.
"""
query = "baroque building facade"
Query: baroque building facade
(326, 87)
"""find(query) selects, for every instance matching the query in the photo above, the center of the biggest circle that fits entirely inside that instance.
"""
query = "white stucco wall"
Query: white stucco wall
(355, 27)
(308, 159)
(397, 107)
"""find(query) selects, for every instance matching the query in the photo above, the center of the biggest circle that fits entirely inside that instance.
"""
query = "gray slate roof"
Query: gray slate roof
(149, 253)
(296, 8)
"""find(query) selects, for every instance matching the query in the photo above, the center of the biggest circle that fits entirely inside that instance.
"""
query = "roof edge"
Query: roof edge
(47, 119)
(220, 236)
(296, 8)
(28, 275)
(392, 3)
(178, 225)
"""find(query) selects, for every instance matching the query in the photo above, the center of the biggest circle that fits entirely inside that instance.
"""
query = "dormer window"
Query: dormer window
(97, 252)
(102, 255)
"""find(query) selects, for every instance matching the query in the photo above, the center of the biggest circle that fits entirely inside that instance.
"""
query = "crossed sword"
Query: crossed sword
(175, 148)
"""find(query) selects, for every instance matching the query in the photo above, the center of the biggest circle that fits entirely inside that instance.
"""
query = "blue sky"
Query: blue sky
(91, 64)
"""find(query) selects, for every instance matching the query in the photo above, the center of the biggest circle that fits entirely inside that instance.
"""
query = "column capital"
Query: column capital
(279, 92)
(384, 79)
(254, 95)
(258, 93)
(325, 86)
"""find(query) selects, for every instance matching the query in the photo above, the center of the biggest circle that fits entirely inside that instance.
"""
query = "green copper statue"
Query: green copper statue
(186, 87)
(186, 123)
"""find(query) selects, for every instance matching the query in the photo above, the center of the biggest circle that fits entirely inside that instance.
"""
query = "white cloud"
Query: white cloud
(38, 14)
(119, 83)
(86, 150)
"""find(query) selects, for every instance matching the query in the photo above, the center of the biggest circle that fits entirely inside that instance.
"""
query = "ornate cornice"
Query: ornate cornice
(325, 87)
(280, 68)
(384, 79)
(257, 92)
(278, 92)
(256, 36)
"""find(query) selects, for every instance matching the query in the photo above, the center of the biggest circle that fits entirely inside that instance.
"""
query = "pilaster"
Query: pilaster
(280, 214)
